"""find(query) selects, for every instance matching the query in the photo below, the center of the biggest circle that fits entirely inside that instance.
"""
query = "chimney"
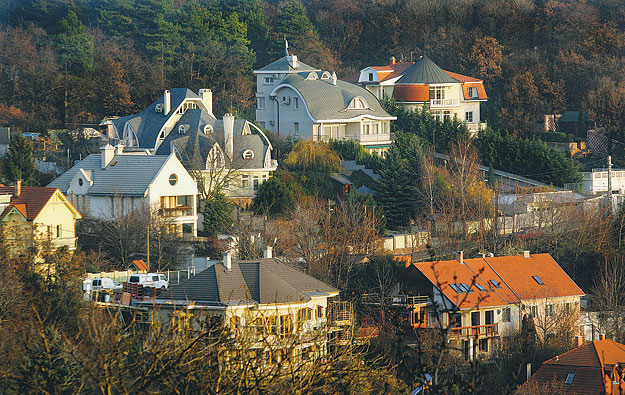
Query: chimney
(166, 102)
(460, 256)
(482, 255)
(528, 371)
(602, 336)
(107, 153)
(229, 135)
(227, 260)
(119, 149)
(579, 341)
(393, 60)
(333, 78)
(292, 61)
(526, 254)
(18, 188)
(207, 98)
(268, 252)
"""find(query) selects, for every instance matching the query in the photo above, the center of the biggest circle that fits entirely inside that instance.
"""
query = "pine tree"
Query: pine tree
(218, 214)
(19, 164)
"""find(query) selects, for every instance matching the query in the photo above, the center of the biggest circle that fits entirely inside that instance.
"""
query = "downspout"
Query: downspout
(277, 114)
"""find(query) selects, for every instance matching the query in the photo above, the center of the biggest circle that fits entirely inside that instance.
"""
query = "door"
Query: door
(475, 322)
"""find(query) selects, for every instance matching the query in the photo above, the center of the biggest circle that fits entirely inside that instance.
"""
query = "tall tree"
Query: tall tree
(19, 163)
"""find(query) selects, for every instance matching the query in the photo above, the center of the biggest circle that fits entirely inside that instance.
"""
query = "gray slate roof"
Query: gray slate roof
(194, 146)
(261, 281)
(327, 101)
(283, 64)
(425, 71)
(126, 175)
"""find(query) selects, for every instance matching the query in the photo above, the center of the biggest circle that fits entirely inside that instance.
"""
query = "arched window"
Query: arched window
(182, 129)
(326, 75)
(158, 108)
(130, 138)
(358, 103)
(215, 159)
(312, 76)
(208, 129)
(248, 154)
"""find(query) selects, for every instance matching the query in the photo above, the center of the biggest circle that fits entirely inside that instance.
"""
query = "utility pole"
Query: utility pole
(148, 258)
(609, 195)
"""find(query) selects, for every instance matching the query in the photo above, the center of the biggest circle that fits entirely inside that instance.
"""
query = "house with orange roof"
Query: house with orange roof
(32, 215)
(594, 368)
(424, 83)
(485, 300)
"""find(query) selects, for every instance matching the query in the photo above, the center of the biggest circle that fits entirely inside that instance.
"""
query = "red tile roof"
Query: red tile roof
(31, 200)
(140, 264)
(512, 273)
(590, 363)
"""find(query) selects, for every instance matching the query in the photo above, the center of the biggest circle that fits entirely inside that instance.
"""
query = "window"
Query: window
(489, 317)
(495, 283)
(248, 154)
(286, 325)
(319, 312)
(567, 308)
(484, 345)
(358, 103)
(480, 287)
(271, 323)
(569, 378)
(505, 314)
(296, 129)
(370, 76)
(533, 311)
(437, 93)
(260, 103)
(80, 182)
(296, 103)
(173, 179)
(182, 129)
(187, 228)
(245, 181)
(59, 232)
(538, 280)
(468, 116)
(461, 287)
(255, 182)
(268, 80)
(304, 315)
(208, 129)
(472, 92)
(549, 310)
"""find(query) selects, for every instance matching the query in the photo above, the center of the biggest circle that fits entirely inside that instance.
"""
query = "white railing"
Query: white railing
(375, 137)
(444, 103)
(174, 276)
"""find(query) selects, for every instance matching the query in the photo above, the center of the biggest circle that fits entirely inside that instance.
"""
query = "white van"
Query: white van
(152, 280)
(100, 283)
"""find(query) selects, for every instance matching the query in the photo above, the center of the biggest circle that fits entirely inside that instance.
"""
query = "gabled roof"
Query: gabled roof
(125, 175)
(30, 202)
(514, 275)
(587, 364)
(425, 71)
(262, 281)
(326, 101)
(284, 65)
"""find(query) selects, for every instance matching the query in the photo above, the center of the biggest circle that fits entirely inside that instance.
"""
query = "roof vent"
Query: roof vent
(460, 256)
(227, 260)
(526, 254)
(333, 78)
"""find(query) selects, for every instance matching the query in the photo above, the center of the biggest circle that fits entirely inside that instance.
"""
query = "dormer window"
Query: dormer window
(472, 92)
(158, 108)
(538, 280)
(182, 129)
(268, 80)
(370, 77)
(248, 154)
(208, 129)
(358, 103)
(326, 75)
(80, 182)
(312, 76)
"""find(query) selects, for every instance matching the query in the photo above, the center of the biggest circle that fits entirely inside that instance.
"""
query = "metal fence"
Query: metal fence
(174, 276)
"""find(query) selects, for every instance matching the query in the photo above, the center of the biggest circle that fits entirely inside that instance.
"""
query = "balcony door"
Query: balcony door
(475, 318)
(489, 317)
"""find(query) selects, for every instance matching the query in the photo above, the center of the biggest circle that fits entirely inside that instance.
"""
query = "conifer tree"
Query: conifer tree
(19, 164)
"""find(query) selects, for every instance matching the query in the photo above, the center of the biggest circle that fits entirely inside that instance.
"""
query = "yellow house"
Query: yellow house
(37, 214)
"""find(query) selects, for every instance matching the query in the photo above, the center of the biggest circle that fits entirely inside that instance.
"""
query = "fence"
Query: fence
(174, 276)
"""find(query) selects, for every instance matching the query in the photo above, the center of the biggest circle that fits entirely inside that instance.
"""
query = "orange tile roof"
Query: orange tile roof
(140, 264)
(517, 271)
(512, 273)
(31, 200)
(589, 362)
(462, 78)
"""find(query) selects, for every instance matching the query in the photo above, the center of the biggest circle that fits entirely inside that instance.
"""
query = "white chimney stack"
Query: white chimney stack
(119, 149)
(207, 98)
(229, 135)
(107, 153)
(166, 102)
(292, 59)
(227, 260)
(460, 256)
(526, 254)
(268, 252)
(18, 188)
(333, 78)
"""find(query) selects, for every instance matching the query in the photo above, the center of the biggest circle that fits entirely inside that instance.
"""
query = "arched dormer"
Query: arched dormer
(208, 129)
(130, 137)
(358, 103)
(312, 76)
(182, 129)
(215, 160)
(326, 75)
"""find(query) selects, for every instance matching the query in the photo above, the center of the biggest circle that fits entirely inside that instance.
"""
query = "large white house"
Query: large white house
(115, 182)
(423, 83)
(298, 100)
(230, 154)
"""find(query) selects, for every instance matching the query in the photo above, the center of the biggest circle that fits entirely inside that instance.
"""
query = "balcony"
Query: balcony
(181, 211)
(441, 103)
(397, 300)
(375, 138)
(465, 332)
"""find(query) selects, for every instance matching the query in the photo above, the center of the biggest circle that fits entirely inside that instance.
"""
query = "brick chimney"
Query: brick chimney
(602, 336)
(579, 341)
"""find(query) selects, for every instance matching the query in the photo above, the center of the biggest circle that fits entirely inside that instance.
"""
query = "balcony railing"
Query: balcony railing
(182, 211)
(437, 103)
(472, 331)
(401, 300)
(340, 314)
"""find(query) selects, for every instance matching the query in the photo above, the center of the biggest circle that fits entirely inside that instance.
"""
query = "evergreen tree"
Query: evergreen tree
(18, 163)
(275, 196)
(218, 214)
(74, 45)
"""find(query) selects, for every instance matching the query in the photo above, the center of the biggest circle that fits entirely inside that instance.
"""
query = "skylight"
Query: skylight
(538, 280)
(495, 283)
(569, 378)
(480, 287)
(455, 288)
(461, 288)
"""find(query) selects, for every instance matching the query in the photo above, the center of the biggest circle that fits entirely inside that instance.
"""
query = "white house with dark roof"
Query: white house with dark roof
(116, 182)
(424, 83)
(298, 100)
(230, 154)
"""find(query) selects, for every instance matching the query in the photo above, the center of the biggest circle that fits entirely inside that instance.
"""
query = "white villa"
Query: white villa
(298, 100)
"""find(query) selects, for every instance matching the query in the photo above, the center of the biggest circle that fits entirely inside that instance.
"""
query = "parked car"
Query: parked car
(153, 280)
(101, 283)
